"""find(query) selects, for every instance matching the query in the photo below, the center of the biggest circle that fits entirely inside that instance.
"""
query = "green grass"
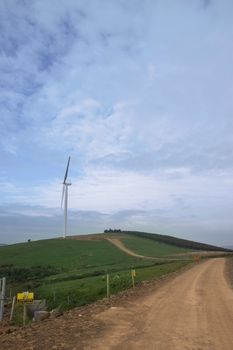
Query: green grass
(78, 292)
(27, 266)
(63, 254)
(175, 241)
(148, 247)
(71, 273)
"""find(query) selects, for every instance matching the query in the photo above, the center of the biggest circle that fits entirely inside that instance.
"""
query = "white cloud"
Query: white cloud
(140, 95)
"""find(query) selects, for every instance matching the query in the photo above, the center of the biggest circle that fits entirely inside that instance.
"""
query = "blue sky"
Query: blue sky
(139, 93)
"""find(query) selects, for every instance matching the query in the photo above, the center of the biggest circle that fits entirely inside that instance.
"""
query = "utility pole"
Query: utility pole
(2, 297)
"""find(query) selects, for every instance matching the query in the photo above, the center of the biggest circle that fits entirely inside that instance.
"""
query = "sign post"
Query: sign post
(25, 298)
(2, 296)
(24, 313)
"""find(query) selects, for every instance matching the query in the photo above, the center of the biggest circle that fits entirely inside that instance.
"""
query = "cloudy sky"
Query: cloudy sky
(139, 94)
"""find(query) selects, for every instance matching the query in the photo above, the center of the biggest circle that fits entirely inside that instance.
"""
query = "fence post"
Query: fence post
(12, 308)
(133, 274)
(107, 280)
(2, 295)
(24, 313)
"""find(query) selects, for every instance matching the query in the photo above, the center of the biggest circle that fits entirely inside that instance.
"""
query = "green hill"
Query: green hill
(72, 272)
(177, 242)
(64, 254)
(152, 248)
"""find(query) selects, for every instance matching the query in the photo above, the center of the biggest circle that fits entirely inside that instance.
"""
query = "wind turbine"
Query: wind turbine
(65, 196)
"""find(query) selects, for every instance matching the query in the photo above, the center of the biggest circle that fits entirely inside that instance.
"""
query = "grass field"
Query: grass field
(147, 247)
(70, 273)
(79, 292)
(64, 255)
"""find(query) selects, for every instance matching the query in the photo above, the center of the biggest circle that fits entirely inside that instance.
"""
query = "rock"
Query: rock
(56, 313)
(40, 315)
(9, 330)
(37, 305)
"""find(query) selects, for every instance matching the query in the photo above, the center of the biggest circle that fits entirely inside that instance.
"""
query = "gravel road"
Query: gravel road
(194, 311)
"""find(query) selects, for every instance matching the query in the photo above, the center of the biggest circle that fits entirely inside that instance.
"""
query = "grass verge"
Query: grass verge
(78, 292)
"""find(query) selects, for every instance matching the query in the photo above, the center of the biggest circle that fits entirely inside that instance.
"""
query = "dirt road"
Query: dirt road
(189, 311)
(119, 244)
(192, 312)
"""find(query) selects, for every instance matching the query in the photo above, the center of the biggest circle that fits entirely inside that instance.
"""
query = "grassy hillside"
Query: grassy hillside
(64, 254)
(149, 247)
(73, 272)
(178, 242)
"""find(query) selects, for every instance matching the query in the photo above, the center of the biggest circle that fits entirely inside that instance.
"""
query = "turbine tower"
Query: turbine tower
(65, 196)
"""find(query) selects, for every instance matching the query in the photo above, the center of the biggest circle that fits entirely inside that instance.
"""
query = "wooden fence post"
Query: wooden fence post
(107, 280)
(12, 308)
(24, 313)
(133, 274)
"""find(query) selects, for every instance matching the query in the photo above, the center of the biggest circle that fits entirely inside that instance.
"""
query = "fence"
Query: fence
(2, 296)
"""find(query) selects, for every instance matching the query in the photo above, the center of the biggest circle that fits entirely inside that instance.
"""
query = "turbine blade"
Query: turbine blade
(66, 173)
(62, 197)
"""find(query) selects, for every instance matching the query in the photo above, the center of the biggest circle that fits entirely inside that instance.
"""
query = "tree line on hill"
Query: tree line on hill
(112, 230)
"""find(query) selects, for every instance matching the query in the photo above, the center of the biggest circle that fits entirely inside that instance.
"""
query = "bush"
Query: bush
(21, 274)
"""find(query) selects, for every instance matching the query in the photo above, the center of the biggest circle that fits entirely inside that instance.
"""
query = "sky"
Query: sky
(139, 94)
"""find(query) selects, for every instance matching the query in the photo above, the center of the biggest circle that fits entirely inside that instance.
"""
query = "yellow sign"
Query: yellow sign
(25, 297)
